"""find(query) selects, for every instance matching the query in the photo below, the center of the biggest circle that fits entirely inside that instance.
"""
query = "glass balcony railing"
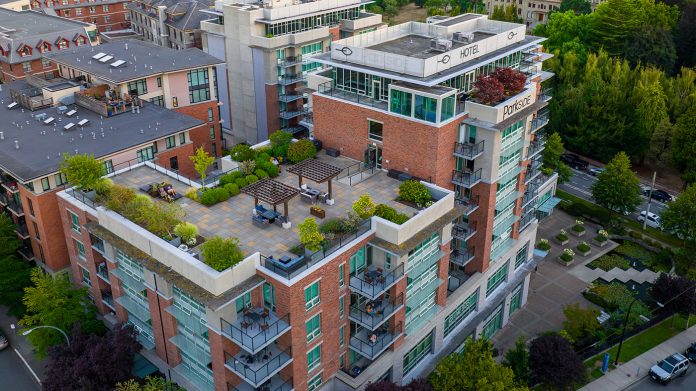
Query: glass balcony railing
(134, 307)
(466, 177)
(22, 231)
(290, 97)
(255, 335)
(373, 283)
(9, 183)
(290, 61)
(370, 344)
(469, 151)
(291, 79)
(527, 219)
(462, 256)
(546, 94)
(15, 207)
(103, 271)
(540, 121)
(463, 230)
(97, 244)
(290, 114)
(536, 145)
(26, 252)
(108, 300)
(374, 313)
(256, 369)
(275, 384)
(3, 198)
(469, 203)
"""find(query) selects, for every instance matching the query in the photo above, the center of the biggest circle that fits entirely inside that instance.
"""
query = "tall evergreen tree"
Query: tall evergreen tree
(617, 187)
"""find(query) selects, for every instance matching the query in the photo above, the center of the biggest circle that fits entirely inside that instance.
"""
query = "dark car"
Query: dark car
(690, 352)
(660, 195)
(574, 161)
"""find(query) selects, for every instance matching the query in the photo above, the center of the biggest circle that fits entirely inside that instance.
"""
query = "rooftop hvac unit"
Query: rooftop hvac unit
(440, 45)
(463, 37)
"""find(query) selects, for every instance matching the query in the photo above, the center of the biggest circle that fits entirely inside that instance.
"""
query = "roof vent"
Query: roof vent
(83, 122)
(440, 45)
(12, 105)
(117, 63)
(71, 113)
(463, 37)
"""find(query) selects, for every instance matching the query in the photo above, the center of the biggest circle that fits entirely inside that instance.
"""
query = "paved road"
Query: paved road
(581, 183)
(685, 383)
(13, 374)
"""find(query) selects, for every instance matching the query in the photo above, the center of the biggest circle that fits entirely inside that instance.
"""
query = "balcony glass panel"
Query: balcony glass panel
(372, 283)
(191, 348)
(258, 368)
(463, 231)
(466, 177)
(422, 266)
(134, 307)
(255, 335)
(374, 313)
(371, 344)
(275, 384)
(468, 151)
(469, 203)
(461, 256)
(128, 279)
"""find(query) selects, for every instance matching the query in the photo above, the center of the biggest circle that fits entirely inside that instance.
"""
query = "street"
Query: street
(14, 374)
(580, 185)
(685, 383)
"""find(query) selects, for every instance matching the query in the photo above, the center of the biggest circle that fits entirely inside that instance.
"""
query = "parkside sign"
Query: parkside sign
(503, 110)
(517, 105)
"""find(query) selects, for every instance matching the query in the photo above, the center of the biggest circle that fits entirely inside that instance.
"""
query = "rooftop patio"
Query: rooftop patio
(233, 218)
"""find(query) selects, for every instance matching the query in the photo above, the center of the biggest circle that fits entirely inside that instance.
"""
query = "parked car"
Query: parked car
(594, 171)
(659, 195)
(3, 341)
(574, 161)
(669, 368)
(653, 219)
(690, 352)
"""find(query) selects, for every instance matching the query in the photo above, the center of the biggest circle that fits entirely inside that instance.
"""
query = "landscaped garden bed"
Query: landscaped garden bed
(562, 237)
(567, 257)
(578, 228)
(632, 255)
(544, 245)
(414, 194)
(584, 249)
(602, 238)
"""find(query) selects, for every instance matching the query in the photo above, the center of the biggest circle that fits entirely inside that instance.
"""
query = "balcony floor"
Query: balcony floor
(253, 338)
(259, 371)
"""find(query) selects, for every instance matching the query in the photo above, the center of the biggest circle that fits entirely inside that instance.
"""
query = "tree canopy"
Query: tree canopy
(617, 187)
(554, 363)
(675, 293)
(551, 157)
(680, 216)
(8, 237)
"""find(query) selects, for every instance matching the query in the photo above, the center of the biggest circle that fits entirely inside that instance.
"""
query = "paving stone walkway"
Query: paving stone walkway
(588, 275)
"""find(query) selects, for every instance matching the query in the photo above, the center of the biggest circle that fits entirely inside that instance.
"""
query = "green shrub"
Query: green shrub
(272, 170)
(583, 247)
(233, 189)
(187, 232)
(242, 152)
(309, 234)
(240, 182)
(265, 149)
(209, 198)
(281, 151)
(220, 253)
(119, 197)
(635, 235)
(400, 218)
(229, 177)
(333, 225)
(301, 150)
(261, 174)
(251, 179)
(247, 167)
(104, 186)
(263, 157)
(351, 222)
(280, 137)
(192, 193)
(414, 191)
(364, 207)
(385, 211)
(610, 261)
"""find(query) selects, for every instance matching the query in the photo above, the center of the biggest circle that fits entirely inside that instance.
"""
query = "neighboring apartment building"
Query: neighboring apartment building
(26, 35)
(44, 119)
(532, 13)
(180, 80)
(15, 5)
(170, 23)
(107, 15)
(385, 300)
(267, 46)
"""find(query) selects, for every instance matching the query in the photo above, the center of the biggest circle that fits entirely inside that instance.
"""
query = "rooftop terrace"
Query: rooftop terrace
(418, 46)
(233, 218)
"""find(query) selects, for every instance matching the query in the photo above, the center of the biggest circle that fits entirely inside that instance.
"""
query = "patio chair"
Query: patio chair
(245, 325)
(260, 209)
(265, 314)
(280, 219)
(381, 280)
(323, 197)
(368, 280)
(264, 327)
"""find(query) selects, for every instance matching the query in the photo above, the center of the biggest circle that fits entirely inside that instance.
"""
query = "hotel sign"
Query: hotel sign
(468, 51)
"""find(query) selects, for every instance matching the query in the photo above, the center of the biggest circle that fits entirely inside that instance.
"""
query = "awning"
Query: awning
(548, 205)
(142, 367)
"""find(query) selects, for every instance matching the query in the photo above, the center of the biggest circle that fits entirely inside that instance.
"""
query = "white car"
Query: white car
(652, 218)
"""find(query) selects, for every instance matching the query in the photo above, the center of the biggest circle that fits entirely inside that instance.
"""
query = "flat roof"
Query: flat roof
(141, 59)
(418, 46)
(457, 19)
(233, 218)
(42, 146)
(30, 23)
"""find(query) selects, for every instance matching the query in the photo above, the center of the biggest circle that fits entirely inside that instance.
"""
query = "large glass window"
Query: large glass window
(137, 87)
(497, 279)
(74, 222)
(521, 256)
(80, 249)
(418, 353)
(341, 275)
(313, 358)
(145, 154)
(328, 19)
(357, 262)
(199, 85)
(461, 312)
(374, 130)
(494, 323)
(447, 111)
(516, 299)
(312, 296)
(313, 326)
(400, 102)
(243, 302)
(425, 108)
(314, 383)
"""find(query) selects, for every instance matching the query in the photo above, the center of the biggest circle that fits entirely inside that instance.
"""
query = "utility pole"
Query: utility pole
(652, 186)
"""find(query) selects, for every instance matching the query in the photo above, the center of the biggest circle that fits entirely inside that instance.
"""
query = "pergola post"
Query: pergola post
(285, 207)
(299, 177)
(330, 190)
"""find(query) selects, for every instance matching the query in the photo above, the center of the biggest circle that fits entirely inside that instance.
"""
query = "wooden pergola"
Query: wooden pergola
(272, 192)
(316, 171)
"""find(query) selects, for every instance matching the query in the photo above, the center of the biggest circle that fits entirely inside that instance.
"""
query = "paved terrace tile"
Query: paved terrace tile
(232, 218)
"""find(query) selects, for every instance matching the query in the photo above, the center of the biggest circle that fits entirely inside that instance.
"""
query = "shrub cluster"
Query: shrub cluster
(220, 253)
(388, 213)
(213, 196)
(301, 150)
(414, 191)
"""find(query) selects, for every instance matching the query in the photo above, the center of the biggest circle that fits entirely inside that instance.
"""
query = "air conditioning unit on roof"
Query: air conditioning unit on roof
(440, 45)
(463, 37)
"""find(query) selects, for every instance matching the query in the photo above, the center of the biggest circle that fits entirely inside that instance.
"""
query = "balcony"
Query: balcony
(26, 252)
(527, 219)
(22, 231)
(536, 146)
(254, 336)
(291, 97)
(290, 114)
(97, 244)
(462, 256)
(470, 203)
(469, 151)
(463, 230)
(103, 272)
(546, 94)
(533, 170)
(134, 307)
(540, 121)
(466, 177)
(373, 283)
(108, 300)
(16, 208)
(455, 280)
(371, 344)
(328, 89)
(259, 368)
(9, 183)
(3, 198)
(374, 313)
(290, 61)
(286, 80)
(275, 384)
(528, 197)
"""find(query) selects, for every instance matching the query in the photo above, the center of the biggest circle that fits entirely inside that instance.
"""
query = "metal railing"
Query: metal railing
(466, 177)
(15, 207)
(371, 287)
(290, 114)
(22, 230)
(380, 313)
(257, 376)
(291, 79)
(329, 247)
(103, 271)
(290, 61)
(536, 145)
(3, 198)
(526, 220)
(462, 256)
(267, 386)
(546, 94)
(356, 173)
(291, 97)
(463, 231)
(255, 341)
(470, 203)
(541, 119)
(26, 252)
(468, 151)
(373, 348)
(327, 88)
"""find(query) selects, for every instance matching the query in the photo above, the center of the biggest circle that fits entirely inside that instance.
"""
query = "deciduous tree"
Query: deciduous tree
(676, 293)
(551, 157)
(617, 187)
(554, 363)
(581, 323)
(8, 237)
(201, 161)
(684, 144)
(680, 216)
(577, 6)
(488, 89)
(517, 359)
(15, 275)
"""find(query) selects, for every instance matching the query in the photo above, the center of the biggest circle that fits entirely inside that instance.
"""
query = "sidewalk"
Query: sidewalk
(21, 346)
(636, 369)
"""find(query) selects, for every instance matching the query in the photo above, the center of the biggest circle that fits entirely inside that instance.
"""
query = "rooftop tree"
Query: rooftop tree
(489, 90)
(201, 161)
(82, 170)
(512, 79)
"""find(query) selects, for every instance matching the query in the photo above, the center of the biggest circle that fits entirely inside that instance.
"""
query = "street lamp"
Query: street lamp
(616, 361)
(27, 332)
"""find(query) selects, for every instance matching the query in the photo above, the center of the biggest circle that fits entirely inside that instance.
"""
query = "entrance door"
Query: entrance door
(373, 156)
(174, 163)
(376, 88)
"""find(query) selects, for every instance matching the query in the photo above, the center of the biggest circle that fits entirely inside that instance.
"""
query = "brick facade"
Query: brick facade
(107, 17)
(201, 136)
(11, 72)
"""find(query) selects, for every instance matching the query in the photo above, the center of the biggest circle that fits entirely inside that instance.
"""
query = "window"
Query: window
(357, 262)
(85, 277)
(145, 154)
(269, 296)
(425, 108)
(447, 111)
(170, 142)
(494, 323)
(105, 8)
(26, 66)
(374, 130)
(175, 101)
(341, 275)
(516, 299)
(199, 85)
(74, 222)
(45, 184)
(159, 81)
(61, 179)
(46, 63)
(31, 207)
(212, 132)
(138, 87)
(314, 383)
(63, 44)
(341, 306)
(461, 312)
(182, 138)
(497, 279)
(210, 115)
(312, 296)
(107, 19)
(66, 13)
(36, 231)
(342, 337)
(108, 166)
(243, 302)
(25, 51)
(158, 100)
(314, 358)
(80, 249)
(313, 327)
(418, 353)
(400, 102)
(78, 11)
(521, 256)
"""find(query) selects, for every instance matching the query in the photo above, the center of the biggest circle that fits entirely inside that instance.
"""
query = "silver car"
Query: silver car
(669, 368)
(3, 341)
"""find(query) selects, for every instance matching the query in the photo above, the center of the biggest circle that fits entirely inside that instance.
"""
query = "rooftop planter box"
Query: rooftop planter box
(502, 110)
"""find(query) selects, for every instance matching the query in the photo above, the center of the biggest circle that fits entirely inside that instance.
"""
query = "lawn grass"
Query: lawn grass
(638, 344)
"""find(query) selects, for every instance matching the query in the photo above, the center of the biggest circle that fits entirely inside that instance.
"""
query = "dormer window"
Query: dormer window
(62, 44)
(25, 51)
(49, 3)
(45, 47)
(36, 5)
